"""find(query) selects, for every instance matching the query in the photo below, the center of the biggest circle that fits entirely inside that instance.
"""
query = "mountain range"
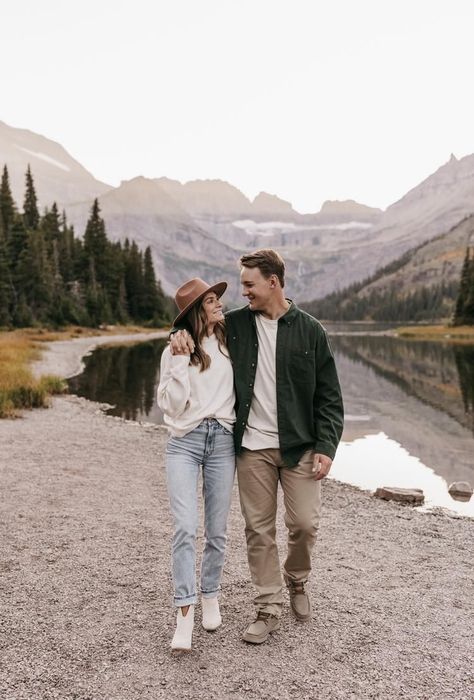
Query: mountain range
(200, 228)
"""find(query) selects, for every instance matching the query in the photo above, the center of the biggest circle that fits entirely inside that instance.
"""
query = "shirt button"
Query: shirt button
(253, 364)
(246, 405)
(243, 422)
(250, 384)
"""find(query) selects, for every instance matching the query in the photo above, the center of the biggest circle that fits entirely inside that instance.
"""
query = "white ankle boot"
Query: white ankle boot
(184, 630)
(211, 616)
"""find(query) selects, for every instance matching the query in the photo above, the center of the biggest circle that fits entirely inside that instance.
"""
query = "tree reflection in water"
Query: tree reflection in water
(465, 364)
(123, 376)
(440, 374)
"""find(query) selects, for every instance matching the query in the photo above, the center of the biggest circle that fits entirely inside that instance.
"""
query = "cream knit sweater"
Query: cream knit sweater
(187, 396)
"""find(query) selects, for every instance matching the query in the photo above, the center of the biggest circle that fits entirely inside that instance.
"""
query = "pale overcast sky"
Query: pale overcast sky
(307, 99)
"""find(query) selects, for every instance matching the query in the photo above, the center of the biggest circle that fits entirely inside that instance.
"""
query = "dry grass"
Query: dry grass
(457, 334)
(18, 388)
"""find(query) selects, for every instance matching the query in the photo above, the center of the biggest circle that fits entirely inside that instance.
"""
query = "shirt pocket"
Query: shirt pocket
(302, 366)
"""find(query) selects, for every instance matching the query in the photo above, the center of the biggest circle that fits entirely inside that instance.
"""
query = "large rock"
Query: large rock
(393, 493)
(460, 490)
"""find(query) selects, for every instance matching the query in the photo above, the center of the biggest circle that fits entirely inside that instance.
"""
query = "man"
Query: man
(289, 423)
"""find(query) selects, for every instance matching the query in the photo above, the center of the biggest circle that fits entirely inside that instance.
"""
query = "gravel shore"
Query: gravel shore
(86, 591)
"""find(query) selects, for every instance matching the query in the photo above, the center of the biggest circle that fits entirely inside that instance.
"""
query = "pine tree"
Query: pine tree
(464, 309)
(50, 226)
(134, 282)
(95, 244)
(121, 309)
(7, 205)
(66, 250)
(31, 215)
(6, 290)
(152, 302)
(92, 296)
(17, 243)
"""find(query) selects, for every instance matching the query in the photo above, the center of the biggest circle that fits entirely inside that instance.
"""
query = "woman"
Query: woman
(196, 394)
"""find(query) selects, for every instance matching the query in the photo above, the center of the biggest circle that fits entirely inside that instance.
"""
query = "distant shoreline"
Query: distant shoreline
(64, 358)
(421, 331)
(443, 333)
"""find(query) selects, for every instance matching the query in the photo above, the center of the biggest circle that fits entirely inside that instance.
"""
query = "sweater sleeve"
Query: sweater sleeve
(174, 388)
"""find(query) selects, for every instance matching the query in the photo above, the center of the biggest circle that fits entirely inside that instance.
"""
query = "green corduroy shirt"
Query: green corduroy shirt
(309, 401)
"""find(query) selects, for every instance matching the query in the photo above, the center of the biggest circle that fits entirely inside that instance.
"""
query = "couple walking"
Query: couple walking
(256, 387)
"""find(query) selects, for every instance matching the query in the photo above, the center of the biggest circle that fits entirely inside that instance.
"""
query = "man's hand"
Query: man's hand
(321, 466)
(181, 343)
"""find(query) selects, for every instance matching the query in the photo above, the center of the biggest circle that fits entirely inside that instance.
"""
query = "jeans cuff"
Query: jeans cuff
(186, 600)
(211, 594)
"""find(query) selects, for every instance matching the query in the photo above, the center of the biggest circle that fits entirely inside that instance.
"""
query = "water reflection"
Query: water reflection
(123, 376)
(385, 462)
(439, 374)
(465, 363)
(409, 408)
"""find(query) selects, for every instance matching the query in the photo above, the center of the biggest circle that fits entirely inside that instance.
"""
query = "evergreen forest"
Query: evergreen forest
(452, 300)
(50, 277)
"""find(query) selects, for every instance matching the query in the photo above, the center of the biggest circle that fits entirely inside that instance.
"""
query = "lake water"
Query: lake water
(409, 407)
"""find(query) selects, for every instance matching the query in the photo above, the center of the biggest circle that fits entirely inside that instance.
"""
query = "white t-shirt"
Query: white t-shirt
(262, 426)
(187, 396)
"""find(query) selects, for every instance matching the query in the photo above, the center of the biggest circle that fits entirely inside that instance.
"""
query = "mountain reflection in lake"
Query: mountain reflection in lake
(409, 407)
(409, 415)
(439, 374)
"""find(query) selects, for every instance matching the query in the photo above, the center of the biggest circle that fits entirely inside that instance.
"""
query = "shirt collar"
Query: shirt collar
(290, 314)
(286, 318)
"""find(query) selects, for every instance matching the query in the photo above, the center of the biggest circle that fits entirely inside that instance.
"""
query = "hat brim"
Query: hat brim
(219, 288)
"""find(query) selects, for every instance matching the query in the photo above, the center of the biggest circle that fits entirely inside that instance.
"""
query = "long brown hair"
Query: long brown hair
(196, 321)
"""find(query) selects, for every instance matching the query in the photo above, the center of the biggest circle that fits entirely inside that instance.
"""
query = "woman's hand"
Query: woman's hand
(181, 343)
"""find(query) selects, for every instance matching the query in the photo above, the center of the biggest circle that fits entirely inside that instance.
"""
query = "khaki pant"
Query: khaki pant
(259, 472)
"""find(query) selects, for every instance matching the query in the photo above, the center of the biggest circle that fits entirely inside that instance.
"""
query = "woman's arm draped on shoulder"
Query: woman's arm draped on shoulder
(174, 388)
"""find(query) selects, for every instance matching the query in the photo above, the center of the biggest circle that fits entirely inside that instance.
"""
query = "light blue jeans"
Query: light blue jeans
(210, 447)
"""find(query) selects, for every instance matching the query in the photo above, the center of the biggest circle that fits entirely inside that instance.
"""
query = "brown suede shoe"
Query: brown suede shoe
(258, 631)
(299, 600)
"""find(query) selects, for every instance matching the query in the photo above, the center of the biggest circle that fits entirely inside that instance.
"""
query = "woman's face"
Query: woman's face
(212, 306)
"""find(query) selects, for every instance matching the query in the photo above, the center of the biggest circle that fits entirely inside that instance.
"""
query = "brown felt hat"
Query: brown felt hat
(193, 291)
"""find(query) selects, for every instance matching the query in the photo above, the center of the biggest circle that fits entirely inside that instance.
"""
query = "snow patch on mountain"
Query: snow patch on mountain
(268, 228)
(43, 156)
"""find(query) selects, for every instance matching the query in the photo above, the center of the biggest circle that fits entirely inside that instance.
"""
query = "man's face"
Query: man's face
(256, 288)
